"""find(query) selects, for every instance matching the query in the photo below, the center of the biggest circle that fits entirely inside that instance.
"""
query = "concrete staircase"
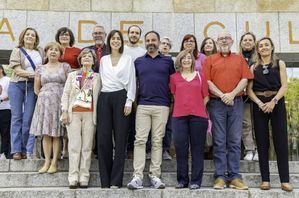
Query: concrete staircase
(20, 179)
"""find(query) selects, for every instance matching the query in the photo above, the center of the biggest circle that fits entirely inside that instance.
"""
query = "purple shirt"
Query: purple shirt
(199, 61)
(153, 76)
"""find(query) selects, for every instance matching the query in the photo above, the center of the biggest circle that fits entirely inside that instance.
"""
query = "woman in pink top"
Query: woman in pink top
(189, 119)
(189, 42)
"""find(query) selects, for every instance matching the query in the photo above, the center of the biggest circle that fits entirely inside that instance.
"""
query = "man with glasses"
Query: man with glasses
(227, 74)
(100, 48)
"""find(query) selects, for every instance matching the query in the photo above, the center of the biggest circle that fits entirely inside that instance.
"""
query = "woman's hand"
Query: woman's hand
(269, 106)
(127, 110)
(65, 118)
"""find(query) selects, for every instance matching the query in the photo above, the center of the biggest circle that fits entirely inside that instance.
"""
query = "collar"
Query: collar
(159, 55)
(220, 53)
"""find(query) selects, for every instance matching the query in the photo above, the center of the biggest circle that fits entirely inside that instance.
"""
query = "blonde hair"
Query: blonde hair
(22, 35)
(181, 55)
(86, 51)
(257, 56)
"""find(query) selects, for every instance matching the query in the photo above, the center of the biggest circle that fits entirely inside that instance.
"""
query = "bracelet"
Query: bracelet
(259, 102)
(275, 100)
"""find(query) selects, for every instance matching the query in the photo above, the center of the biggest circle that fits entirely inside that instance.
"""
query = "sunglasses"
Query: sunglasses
(265, 69)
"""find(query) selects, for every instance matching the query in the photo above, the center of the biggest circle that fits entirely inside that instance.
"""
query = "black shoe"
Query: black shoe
(180, 186)
(194, 186)
(83, 186)
(73, 185)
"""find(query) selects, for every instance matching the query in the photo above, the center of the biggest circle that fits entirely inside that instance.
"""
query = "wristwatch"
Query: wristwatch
(275, 100)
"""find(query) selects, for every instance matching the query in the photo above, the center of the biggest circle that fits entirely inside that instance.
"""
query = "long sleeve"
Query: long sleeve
(131, 92)
(66, 92)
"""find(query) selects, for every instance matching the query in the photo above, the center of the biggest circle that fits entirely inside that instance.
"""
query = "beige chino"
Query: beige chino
(247, 135)
(81, 132)
(149, 118)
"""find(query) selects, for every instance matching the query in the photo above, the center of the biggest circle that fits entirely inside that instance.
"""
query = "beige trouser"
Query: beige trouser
(154, 118)
(81, 132)
(247, 136)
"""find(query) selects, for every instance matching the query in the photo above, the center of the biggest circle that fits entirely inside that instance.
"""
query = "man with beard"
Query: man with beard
(227, 74)
(134, 50)
(153, 71)
(100, 48)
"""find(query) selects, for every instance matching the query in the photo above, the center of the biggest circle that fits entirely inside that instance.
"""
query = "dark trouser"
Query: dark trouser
(110, 111)
(5, 117)
(132, 131)
(227, 132)
(280, 138)
(166, 140)
(189, 130)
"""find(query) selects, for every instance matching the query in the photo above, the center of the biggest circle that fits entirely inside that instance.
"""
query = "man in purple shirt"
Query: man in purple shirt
(153, 71)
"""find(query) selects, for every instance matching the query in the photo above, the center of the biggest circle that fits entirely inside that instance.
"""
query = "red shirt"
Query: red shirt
(70, 56)
(226, 72)
(188, 96)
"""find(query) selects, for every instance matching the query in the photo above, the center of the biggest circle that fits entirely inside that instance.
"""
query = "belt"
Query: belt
(265, 93)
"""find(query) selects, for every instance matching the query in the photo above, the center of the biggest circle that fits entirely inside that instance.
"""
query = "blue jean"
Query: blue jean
(22, 108)
(189, 130)
(227, 133)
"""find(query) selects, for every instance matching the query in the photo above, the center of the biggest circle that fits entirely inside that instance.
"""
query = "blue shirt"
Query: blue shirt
(153, 76)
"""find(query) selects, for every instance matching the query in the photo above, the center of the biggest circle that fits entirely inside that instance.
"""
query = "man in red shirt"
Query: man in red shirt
(227, 74)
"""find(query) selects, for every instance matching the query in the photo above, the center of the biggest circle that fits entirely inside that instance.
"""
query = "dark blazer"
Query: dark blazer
(104, 52)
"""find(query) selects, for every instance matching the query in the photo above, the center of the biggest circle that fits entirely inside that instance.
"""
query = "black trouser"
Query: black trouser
(111, 119)
(5, 117)
(280, 138)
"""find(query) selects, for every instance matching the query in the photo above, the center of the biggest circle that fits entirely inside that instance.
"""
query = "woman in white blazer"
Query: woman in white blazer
(114, 107)
(79, 104)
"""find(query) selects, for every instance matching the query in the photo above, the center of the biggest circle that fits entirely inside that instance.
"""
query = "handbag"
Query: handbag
(209, 137)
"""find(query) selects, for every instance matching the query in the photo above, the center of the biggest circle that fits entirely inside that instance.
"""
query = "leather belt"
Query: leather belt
(265, 93)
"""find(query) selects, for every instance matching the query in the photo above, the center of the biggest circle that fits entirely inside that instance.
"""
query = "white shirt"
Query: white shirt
(121, 76)
(36, 58)
(4, 82)
(134, 52)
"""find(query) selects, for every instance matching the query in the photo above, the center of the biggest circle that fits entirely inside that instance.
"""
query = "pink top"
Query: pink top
(188, 96)
(199, 61)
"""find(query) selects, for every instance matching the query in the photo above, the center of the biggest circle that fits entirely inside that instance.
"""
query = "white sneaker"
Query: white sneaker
(2, 156)
(156, 182)
(248, 156)
(166, 156)
(256, 156)
(135, 183)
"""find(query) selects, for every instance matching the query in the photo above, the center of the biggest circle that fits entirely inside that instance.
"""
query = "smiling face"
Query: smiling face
(189, 43)
(265, 48)
(87, 59)
(134, 35)
(64, 38)
(151, 42)
(115, 42)
(225, 42)
(53, 53)
(186, 62)
(99, 35)
(248, 43)
(209, 46)
(29, 37)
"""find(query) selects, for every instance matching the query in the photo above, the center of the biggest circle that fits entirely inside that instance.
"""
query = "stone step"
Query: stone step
(167, 166)
(63, 192)
(33, 179)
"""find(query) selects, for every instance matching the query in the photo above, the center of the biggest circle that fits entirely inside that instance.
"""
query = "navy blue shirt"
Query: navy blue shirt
(153, 76)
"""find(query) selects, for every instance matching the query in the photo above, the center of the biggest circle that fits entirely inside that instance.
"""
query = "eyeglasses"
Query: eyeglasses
(64, 34)
(189, 41)
(98, 33)
(265, 69)
(224, 38)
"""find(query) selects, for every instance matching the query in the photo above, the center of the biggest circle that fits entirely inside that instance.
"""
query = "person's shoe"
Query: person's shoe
(148, 155)
(31, 156)
(135, 183)
(166, 156)
(238, 184)
(194, 186)
(2, 156)
(219, 184)
(73, 185)
(52, 169)
(83, 184)
(24, 155)
(65, 155)
(256, 157)
(114, 187)
(248, 156)
(180, 186)
(44, 169)
(287, 187)
(17, 156)
(156, 182)
(265, 186)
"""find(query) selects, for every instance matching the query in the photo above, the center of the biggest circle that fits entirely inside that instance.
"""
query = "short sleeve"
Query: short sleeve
(172, 84)
(207, 68)
(246, 73)
(205, 87)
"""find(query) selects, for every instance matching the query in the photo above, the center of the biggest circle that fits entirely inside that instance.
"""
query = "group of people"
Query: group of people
(108, 97)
